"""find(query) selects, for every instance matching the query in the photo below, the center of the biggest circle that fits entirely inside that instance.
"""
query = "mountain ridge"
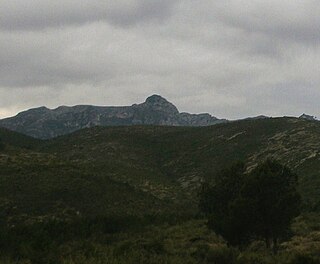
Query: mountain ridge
(45, 123)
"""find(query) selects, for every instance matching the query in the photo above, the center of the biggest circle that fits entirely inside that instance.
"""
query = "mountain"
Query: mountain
(125, 194)
(45, 123)
(308, 117)
(148, 169)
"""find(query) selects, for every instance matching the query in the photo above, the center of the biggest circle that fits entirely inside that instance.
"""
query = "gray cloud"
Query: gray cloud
(289, 19)
(41, 14)
(233, 58)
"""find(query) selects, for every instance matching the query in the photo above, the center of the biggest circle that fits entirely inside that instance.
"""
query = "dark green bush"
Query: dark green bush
(222, 255)
(304, 259)
(217, 254)
(254, 258)
(1, 144)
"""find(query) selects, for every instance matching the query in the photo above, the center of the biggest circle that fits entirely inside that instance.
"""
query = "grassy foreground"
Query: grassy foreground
(185, 242)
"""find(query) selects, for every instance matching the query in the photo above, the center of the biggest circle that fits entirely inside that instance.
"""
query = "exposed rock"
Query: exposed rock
(45, 123)
(308, 117)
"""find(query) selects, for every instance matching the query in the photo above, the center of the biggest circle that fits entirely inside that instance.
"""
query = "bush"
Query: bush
(303, 259)
(217, 254)
(222, 255)
(1, 144)
(254, 258)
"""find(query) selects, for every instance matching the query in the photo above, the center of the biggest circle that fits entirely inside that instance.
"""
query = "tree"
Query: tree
(241, 206)
(1, 144)
(217, 202)
(271, 191)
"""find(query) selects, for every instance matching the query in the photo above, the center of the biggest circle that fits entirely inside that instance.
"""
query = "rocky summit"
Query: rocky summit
(308, 117)
(47, 123)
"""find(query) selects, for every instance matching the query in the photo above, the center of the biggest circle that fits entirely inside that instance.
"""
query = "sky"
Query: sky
(232, 58)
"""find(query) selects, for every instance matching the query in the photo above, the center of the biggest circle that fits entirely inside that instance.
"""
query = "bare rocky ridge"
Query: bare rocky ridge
(308, 117)
(47, 123)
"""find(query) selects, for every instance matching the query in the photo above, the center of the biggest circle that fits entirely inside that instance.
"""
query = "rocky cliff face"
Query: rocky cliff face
(45, 123)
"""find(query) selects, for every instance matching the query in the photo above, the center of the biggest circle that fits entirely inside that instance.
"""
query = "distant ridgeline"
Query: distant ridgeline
(45, 123)
(308, 117)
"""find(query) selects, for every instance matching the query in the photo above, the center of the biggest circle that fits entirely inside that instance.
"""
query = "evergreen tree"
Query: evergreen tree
(217, 202)
(260, 204)
(1, 144)
(274, 200)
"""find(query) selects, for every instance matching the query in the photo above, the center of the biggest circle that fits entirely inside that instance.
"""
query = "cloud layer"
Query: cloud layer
(230, 58)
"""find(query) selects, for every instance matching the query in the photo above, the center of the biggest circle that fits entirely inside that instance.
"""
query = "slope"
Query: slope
(172, 161)
(148, 169)
(48, 123)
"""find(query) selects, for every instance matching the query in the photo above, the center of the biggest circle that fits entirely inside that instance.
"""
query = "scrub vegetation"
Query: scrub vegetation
(148, 194)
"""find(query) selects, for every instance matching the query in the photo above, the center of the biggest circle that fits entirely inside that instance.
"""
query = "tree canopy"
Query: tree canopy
(1, 144)
(242, 206)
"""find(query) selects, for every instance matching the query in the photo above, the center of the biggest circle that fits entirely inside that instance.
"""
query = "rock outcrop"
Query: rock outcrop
(45, 123)
(308, 117)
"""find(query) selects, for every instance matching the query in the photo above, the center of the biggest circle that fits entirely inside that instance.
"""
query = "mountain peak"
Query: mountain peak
(156, 110)
(158, 103)
(156, 99)
(308, 117)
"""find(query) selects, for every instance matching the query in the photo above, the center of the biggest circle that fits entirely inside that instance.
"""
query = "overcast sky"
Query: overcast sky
(233, 58)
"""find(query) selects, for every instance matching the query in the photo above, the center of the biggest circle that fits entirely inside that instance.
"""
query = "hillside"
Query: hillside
(124, 191)
(126, 169)
(46, 123)
(184, 156)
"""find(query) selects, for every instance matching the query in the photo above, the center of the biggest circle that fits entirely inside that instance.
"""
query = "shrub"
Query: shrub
(217, 254)
(302, 258)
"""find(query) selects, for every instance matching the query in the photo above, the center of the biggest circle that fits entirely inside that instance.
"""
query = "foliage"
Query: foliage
(186, 241)
(218, 202)
(1, 144)
(270, 191)
(303, 259)
(128, 194)
(258, 205)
